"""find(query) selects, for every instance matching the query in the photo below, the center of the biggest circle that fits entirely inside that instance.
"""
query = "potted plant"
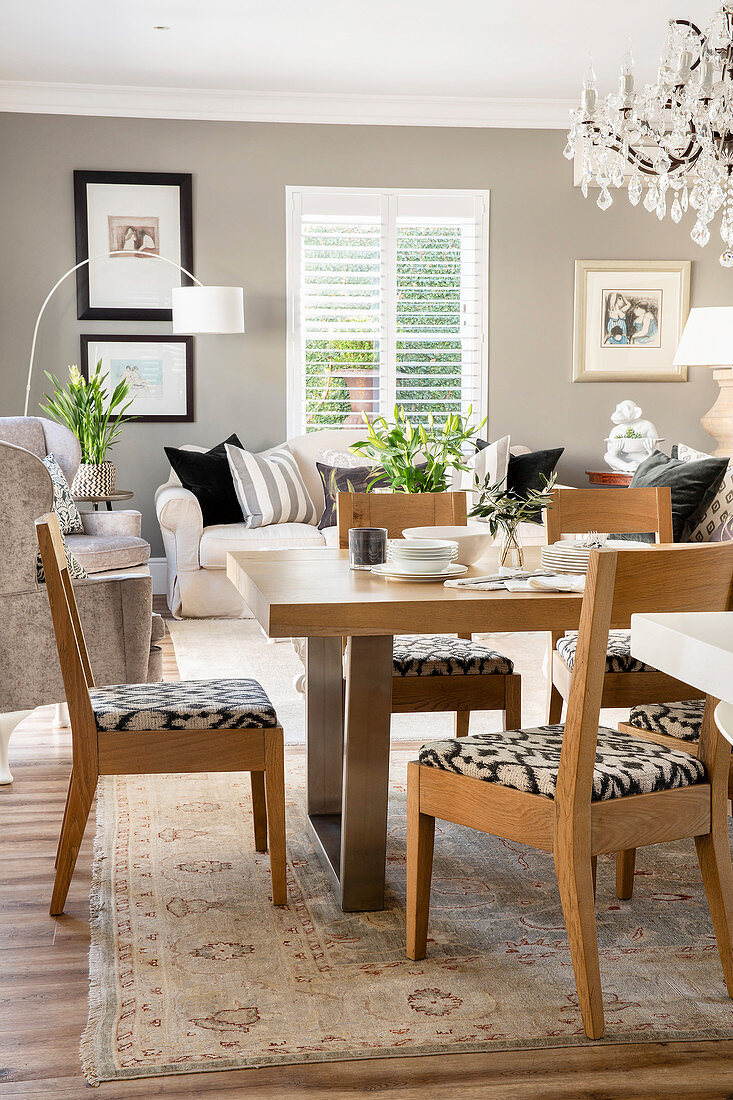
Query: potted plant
(504, 511)
(96, 419)
(413, 458)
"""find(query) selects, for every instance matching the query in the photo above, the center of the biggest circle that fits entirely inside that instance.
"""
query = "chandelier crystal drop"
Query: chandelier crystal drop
(675, 137)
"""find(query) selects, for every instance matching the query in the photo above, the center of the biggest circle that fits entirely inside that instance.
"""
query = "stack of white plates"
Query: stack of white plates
(421, 558)
(565, 557)
(568, 556)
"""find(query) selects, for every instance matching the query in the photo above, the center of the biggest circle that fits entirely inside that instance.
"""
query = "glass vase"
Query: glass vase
(511, 555)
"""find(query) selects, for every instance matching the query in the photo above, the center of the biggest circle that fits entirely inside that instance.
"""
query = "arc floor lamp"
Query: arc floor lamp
(197, 309)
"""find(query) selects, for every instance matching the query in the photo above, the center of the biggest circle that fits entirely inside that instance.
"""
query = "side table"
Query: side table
(608, 477)
(120, 494)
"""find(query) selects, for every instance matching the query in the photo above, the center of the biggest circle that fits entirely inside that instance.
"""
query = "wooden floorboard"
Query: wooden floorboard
(43, 995)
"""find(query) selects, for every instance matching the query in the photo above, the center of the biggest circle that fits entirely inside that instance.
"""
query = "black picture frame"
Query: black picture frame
(184, 182)
(158, 338)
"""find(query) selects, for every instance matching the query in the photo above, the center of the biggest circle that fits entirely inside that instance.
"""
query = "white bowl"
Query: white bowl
(420, 565)
(472, 544)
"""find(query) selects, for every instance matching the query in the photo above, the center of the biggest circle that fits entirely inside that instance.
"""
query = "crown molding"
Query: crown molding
(119, 101)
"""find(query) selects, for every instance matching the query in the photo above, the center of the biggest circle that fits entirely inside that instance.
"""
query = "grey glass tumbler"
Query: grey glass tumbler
(367, 547)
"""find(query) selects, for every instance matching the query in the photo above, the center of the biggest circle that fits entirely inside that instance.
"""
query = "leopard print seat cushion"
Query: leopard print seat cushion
(618, 654)
(527, 760)
(443, 655)
(183, 705)
(681, 720)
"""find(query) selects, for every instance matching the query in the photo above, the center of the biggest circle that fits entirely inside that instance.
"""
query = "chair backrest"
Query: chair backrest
(26, 490)
(73, 655)
(43, 437)
(619, 584)
(396, 511)
(610, 509)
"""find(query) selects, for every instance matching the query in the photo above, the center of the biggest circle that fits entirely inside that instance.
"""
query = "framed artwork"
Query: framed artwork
(136, 215)
(158, 368)
(629, 316)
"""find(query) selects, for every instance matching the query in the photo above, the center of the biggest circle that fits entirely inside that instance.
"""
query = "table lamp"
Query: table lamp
(196, 309)
(707, 341)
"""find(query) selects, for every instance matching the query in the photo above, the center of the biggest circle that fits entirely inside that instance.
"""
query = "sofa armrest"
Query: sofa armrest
(127, 521)
(182, 524)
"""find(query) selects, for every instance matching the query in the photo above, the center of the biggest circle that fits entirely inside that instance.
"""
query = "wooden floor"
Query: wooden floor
(43, 994)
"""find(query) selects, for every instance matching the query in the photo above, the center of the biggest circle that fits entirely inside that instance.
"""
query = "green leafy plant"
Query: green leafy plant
(631, 433)
(84, 406)
(416, 458)
(504, 510)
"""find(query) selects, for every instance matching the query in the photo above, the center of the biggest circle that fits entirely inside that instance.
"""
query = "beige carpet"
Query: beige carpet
(237, 647)
(192, 969)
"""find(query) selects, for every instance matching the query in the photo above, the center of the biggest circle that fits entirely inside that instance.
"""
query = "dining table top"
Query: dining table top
(314, 593)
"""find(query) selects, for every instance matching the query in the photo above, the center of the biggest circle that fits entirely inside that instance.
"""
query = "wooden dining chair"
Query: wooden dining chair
(581, 790)
(435, 672)
(678, 725)
(153, 729)
(618, 511)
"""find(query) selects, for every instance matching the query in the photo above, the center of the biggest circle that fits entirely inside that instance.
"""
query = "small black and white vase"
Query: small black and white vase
(94, 480)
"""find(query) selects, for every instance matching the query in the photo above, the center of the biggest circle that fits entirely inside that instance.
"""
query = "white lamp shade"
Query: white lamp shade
(201, 309)
(708, 338)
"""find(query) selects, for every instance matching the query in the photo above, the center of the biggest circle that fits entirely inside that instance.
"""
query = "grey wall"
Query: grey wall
(539, 225)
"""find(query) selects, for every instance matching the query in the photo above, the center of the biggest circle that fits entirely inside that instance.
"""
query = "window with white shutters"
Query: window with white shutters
(387, 304)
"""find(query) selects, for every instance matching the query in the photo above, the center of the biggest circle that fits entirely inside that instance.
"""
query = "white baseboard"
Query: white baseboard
(158, 573)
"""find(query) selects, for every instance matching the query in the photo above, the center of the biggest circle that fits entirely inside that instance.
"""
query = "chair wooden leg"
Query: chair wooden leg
(575, 881)
(625, 862)
(63, 820)
(275, 789)
(259, 810)
(713, 854)
(554, 706)
(75, 819)
(554, 698)
(461, 719)
(513, 702)
(420, 839)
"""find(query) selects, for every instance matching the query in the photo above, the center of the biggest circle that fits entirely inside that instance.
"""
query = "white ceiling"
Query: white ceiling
(464, 53)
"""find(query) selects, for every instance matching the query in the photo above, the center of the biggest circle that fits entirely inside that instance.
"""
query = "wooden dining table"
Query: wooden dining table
(313, 594)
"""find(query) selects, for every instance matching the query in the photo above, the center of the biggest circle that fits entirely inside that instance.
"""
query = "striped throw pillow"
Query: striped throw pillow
(269, 487)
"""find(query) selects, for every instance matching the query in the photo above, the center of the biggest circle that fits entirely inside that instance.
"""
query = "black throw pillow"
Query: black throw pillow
(526, 472)
(690, 483)
(344, 479)
(209, 478)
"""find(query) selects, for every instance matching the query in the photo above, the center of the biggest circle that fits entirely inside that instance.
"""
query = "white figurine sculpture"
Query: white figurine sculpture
(631, 440)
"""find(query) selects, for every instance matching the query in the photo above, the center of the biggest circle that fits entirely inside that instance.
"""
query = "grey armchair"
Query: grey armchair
(120, 628)
(111, 540)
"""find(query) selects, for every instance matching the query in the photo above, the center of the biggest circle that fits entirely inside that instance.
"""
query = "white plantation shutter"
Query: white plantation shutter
(387, 302)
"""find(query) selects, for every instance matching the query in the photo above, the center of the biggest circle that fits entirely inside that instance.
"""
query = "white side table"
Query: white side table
(695, 647)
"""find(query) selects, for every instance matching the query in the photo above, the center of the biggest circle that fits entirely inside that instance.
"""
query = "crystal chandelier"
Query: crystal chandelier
(676, 134)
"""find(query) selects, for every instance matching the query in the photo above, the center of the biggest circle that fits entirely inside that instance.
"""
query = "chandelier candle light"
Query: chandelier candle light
(676, 134)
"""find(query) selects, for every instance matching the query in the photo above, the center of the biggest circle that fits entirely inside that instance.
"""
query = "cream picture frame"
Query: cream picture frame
(629, 317)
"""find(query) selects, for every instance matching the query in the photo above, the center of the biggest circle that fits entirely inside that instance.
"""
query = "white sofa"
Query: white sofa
(197, 584)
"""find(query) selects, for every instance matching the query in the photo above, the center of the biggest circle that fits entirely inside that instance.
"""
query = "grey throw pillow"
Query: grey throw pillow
(689, 482)
(63, 503)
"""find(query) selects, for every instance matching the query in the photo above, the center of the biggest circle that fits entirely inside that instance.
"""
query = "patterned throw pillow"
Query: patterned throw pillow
(714, 521)
(345, 460)
(63, 502)
(77, 572)
(270, 488)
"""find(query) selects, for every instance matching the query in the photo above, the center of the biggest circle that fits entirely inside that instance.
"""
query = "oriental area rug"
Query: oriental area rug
(192, 969)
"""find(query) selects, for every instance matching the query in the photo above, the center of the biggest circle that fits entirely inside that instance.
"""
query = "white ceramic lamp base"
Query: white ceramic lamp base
(718, 422)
